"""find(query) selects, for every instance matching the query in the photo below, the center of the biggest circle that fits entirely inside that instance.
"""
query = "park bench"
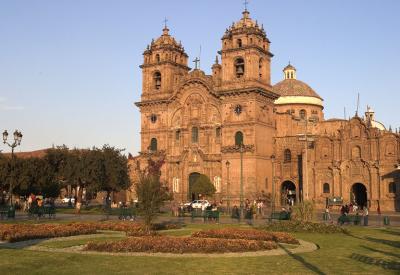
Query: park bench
(127, 213)
(281, 216)
(7, 212)
(211, 215)
(355, 219)
(197, 213)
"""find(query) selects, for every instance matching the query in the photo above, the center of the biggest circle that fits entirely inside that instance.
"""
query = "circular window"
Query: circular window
(238, 109)
(153, 118)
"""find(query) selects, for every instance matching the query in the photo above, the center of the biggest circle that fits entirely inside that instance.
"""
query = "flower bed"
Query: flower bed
(167, 244)
(22, 232)
(246, 234)
(299, 226)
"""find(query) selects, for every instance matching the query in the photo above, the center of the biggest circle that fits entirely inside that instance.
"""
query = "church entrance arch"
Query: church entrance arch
(192, 179)
(288, 193)
(359, 195)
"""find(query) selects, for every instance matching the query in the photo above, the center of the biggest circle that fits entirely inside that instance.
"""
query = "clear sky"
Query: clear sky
(69, 69)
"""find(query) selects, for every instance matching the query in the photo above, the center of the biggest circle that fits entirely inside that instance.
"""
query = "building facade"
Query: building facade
(254, 138)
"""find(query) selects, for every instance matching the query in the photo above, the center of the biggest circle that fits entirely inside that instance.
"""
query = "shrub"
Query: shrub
(246, 234)
(22, 232)
(299, 226)
(303, 211)
(167, 244)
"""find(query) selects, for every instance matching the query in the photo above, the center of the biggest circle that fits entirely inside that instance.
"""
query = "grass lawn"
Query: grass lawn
(363, 251)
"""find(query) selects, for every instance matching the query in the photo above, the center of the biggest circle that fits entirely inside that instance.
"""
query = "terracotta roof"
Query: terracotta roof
(289, 67)
(294, 87)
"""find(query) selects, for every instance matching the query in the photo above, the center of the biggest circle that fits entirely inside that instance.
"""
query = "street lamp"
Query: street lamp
(228, 186)
(273, 185)
(17, 141)
(306, 138)
(241, 179)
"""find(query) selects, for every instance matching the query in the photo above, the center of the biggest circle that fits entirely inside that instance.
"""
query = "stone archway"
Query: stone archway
(288, 193)
(358, 195)
(192, 179)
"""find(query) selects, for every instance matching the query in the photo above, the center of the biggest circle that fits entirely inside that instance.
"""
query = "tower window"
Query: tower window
(239, 43)
(157, 58)
(260, 66)
(392, 187)
(195, 135)
(157, 80)
(303, 114)
(239, 138)
(287, 155)
(239, 67)
(177, 135)
(153, 145)
(326, 188)
(153, 118)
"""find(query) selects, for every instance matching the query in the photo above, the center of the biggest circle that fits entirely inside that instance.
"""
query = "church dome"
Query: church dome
(293, 91)
(294, 87)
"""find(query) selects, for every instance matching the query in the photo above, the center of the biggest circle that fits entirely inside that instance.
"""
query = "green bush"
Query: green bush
(303, 211)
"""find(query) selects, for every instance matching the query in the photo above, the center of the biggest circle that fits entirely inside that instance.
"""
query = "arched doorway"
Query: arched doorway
(192, 179)
(359, 195)
(288, 193)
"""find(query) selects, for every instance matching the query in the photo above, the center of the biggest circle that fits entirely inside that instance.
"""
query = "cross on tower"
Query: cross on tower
(197, 60)
(165, 22)
(245, 3)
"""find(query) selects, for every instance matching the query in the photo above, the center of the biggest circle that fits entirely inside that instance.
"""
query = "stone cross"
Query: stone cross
(196, 61)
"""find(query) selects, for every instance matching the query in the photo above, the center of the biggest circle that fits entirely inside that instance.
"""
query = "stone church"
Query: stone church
(256, 139)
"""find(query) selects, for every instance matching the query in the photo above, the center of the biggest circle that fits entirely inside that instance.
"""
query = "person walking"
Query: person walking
(365, 214)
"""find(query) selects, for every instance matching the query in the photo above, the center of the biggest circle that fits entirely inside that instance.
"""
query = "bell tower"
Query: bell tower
(165, 61)
(246, 59)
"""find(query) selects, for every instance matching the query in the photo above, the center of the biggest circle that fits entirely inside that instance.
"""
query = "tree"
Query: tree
(203, 186)
(151, 192)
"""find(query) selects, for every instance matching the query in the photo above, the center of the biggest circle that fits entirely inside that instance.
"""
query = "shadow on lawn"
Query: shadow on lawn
(302, 261)
(393, 265)
(396, 255)
(21, 244)
(391, 232)
(395, 244)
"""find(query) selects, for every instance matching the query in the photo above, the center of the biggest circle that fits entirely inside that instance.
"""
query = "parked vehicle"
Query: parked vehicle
(66, 200)
(197, 204)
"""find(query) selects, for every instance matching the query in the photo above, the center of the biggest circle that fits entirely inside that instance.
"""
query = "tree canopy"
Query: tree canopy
(203, 186)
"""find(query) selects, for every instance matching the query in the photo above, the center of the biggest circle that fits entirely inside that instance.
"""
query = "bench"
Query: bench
(281, 216)
(127, 213)
(197, 213)
(211, 215)
(7, 212)
(355, 219)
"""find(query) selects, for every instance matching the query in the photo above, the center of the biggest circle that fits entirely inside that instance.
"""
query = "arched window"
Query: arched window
(157, 58)
(195, 134)
(326, 188)
(260, 66)
(239, 43)
(392, 187)
(239, 138)
(239, 67)
(287, 155)
(157, 80)
(303, 114)
(153, 145)
(177, 135)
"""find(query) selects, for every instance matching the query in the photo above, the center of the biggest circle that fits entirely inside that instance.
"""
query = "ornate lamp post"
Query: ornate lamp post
(228, 187)
(241, 179)
(273, 185)
(17, 142)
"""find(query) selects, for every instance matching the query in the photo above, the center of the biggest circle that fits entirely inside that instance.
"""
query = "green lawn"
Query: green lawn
(363, 251)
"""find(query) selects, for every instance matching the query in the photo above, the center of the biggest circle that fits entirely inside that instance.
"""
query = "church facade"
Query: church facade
(255, 139)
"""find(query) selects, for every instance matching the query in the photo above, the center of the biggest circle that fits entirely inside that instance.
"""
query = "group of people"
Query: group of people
(34, 201)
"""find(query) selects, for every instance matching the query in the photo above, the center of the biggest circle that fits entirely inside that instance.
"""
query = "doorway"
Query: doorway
(359, 195)
(192, 179)
(288, 193)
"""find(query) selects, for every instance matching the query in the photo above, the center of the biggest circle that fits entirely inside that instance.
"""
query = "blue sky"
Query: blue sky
(69, 69)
